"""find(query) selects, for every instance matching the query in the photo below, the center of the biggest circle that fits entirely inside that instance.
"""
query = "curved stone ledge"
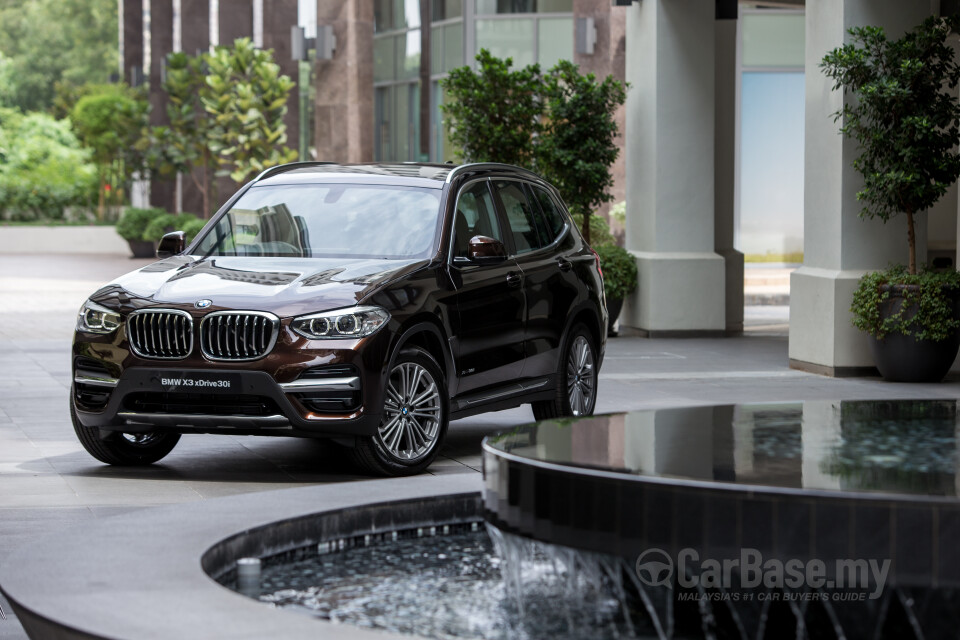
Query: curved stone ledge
(143, 575)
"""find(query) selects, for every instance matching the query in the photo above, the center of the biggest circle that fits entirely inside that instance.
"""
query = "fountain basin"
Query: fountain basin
(857, 480)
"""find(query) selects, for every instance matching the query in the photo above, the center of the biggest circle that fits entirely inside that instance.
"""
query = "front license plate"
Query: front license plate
(190, 382)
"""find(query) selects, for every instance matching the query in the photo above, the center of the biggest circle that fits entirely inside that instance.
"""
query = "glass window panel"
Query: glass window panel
(556, 41)
(401, 148)
(475, 216)
(410, 53)
(520, 216)
(510, 38)
(487, 7)
(407, 13)
(382, 15)
(554, 6)
(773, 39)
(383, 59)
(382, 114)
(452, 46)
(446, 9)
(551, 211)
(436, 50)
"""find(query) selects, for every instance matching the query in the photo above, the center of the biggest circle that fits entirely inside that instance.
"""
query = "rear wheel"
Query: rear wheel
(576, 380)
(414, 421)
(123, 449)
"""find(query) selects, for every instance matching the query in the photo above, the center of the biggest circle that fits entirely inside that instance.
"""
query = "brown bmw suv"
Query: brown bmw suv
(370, 304)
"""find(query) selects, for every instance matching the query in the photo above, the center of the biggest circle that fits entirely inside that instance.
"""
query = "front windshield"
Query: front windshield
(328, 221)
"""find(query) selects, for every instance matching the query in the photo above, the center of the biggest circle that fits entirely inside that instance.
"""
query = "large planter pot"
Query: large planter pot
(901, 358)
(142, 248)
(614, 306)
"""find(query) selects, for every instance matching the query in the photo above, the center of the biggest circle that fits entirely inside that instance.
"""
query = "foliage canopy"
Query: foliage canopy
(904, 116)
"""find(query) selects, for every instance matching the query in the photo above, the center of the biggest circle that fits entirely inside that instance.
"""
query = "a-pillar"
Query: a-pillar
(839, 247)
(670, 170)
(344, 104)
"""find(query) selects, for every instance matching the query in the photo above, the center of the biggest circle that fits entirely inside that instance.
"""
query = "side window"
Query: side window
(520, 216)
(475, 216)
(551, 212)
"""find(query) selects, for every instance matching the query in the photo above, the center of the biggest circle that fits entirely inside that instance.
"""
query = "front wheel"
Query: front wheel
(576, 379)
(123, 449)
(414, 421)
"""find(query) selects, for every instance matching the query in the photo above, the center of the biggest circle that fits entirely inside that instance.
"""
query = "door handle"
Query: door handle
(564, 264)
(513, 279)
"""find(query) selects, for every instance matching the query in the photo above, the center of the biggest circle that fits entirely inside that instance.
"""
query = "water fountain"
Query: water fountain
(706, 522)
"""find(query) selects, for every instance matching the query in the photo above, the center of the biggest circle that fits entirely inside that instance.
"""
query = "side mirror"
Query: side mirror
(171, 244)
(484, 250)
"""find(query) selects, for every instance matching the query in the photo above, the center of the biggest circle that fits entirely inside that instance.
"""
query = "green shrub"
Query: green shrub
(619, 271)
(43, 169)
(192, 228)
(162, 225)
(926, 309)
(134, 222)
(599, 230)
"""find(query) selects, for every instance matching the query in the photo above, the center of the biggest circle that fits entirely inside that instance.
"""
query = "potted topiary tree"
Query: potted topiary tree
(132, 226)
(906, 119)
(619, 278)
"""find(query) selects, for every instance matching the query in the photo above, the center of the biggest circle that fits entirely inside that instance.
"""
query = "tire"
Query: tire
(411, 432)
(123, 449)
(575, 396)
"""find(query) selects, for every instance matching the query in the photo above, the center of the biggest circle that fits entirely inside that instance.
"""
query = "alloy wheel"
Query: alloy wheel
(581, 377)
(411, 412)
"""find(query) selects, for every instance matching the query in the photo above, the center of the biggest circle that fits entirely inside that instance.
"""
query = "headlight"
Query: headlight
(355, 322)
(96, 319)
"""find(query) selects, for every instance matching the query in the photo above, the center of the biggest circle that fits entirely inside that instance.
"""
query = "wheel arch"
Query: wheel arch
(425, 332)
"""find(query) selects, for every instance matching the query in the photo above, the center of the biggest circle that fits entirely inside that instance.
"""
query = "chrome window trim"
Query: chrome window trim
(140, 312)
(274, 335)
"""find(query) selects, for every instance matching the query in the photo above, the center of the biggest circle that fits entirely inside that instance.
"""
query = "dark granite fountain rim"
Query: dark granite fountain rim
(718, 485)
(140, 575)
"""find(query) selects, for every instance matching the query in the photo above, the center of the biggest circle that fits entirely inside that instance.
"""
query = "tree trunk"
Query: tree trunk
(585, 227)
(100, 204)
(912, 241)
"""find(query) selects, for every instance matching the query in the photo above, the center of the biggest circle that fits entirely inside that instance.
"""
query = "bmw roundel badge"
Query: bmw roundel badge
(202, 304)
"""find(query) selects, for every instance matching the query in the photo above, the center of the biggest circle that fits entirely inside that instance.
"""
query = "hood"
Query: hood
(284, 286)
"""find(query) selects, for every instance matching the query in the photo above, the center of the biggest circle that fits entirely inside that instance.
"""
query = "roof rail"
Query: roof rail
(485, 165)
(281, 168)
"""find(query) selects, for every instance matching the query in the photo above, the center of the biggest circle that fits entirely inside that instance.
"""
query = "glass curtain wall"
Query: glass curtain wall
(526, 30)
(770, 186)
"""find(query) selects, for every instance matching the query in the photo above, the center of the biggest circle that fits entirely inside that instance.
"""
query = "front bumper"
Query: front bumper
(116, 390)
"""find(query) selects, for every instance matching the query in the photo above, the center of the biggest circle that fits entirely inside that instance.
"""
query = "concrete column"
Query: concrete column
(344, 107)
(670, 170)
(278, 17)
(131, 53)
(839, 247)
(162, 192)
(724, 164)
(236, 20)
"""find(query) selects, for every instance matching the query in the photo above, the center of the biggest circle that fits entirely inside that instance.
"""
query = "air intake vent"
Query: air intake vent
(163, 334)
(238, 335)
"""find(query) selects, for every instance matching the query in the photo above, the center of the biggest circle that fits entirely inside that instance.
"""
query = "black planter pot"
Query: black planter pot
(901, 358)
(142, 248)
(614, 306)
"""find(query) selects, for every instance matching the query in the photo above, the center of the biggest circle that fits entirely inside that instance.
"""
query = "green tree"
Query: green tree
(48, 41)
(110, 123)
(493, 114)
(576, 146)
(905, 117)
(184, 145)
(246, 95)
